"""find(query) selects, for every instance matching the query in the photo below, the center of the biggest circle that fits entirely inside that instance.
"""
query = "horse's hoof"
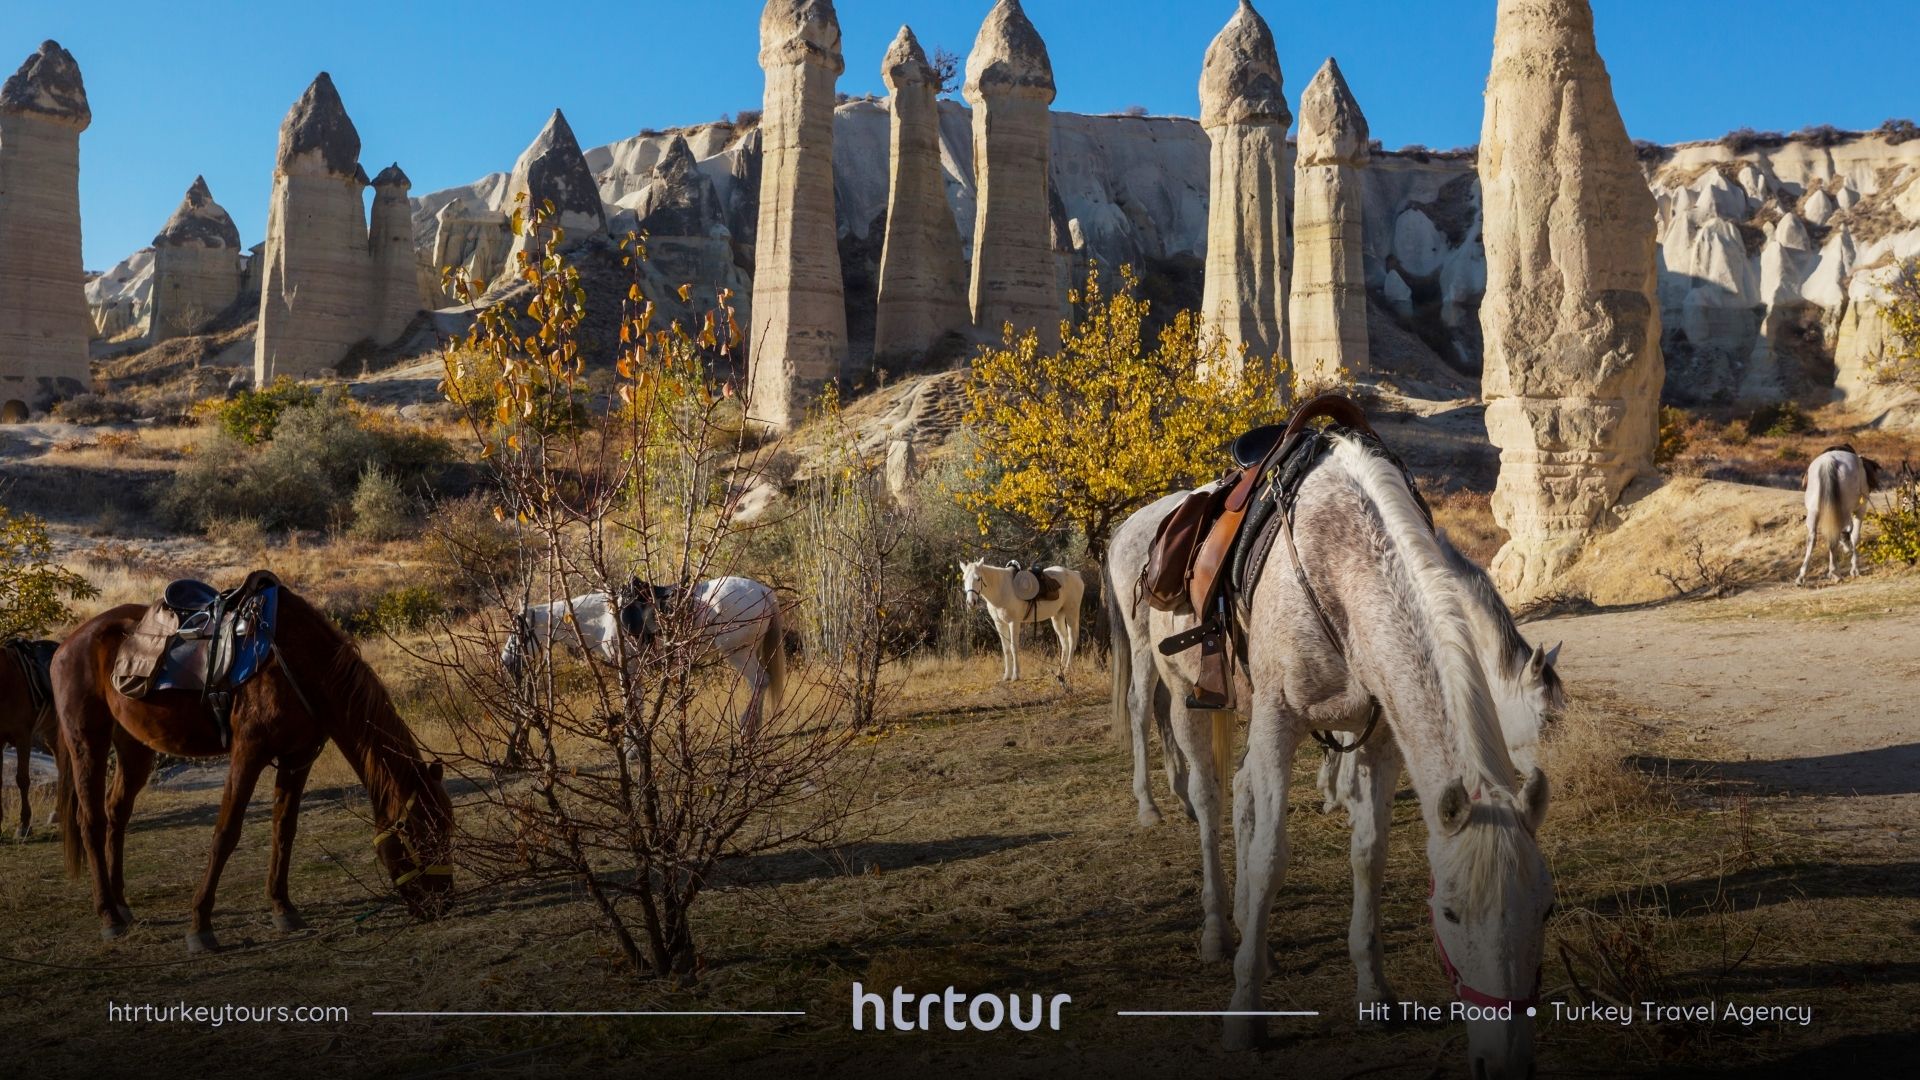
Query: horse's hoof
(1149, 817)
(1211, 951)
(288, 922)
(1243, 1033)
(202, 942)
(113, 932)
(125, 913)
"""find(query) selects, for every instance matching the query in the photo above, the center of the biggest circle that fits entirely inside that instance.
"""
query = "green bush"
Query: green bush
(396, 611)
(1780, 421)
(305, 474)
(381, 511)
(1673, 435)
(251, 416)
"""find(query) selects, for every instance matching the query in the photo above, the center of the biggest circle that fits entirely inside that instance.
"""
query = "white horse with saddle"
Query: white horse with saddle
(736, 618)
(1016, 596)
(1837, 485)
(1391, 652)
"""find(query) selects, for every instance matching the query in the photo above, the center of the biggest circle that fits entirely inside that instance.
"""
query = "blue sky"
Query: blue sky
(456, 91)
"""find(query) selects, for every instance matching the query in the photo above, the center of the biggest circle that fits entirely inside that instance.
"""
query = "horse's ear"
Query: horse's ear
(1455, 805)
(1533, 800)
(1537, 662)
(436, 771)
(1553, 654)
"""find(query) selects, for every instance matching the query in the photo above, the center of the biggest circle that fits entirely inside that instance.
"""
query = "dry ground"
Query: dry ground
(1003, 856)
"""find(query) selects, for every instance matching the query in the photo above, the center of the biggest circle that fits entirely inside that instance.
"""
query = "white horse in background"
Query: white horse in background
(993, 587)
(1837, 483)
(735, 617)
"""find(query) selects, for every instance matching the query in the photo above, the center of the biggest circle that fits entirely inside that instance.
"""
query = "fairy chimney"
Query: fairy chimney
(1243, 107)
(1327, 308)
(799, 330)
(922, 287)
(553, 170)
(44, 321)
(313, 288)
(1010, 86)
(396, 270)
(196, 266)
(1572, 356)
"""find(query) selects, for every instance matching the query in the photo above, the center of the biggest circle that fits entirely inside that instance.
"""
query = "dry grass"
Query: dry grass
(1000, 855)
(1467, 517)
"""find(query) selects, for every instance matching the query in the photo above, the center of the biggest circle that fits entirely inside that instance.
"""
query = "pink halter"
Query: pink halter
(1467, 993)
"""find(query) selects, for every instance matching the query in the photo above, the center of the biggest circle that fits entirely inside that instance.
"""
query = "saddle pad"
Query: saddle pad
(138, 661)
(35, 659)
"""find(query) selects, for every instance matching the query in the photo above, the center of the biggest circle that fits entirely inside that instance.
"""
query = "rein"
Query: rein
(420, 867)
(1465, 992)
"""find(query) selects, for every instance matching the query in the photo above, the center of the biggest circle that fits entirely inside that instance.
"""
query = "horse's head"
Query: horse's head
(970, 579)
(1531, 697)
(415, 842)
(1491, 897)
(1878, 478)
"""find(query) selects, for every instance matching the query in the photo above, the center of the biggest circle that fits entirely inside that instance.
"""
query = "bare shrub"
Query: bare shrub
(629, 777)
(1700, 577)
(381, 511)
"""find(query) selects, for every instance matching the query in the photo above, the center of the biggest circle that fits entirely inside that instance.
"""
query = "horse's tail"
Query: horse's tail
(1121, 651)
(773, 657)
(66, 803)
(1829, 518)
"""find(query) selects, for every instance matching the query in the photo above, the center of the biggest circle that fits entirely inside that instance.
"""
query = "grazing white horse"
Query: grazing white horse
(738, 618)
(1837, 483)
(993, 587)
(1406, 643)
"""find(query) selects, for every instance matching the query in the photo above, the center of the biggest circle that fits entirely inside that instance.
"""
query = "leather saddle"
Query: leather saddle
(35, 658)
(642, 604)
(1188, 566)
(196, 637)
(1032, 586)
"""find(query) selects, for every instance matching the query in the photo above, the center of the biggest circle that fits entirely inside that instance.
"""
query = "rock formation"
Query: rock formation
(1327, 309)
(1243, 107)
(687, 239)
(196, 266)
(314, 286)
(922, 288)
(1573, 368)
(553, 170)
(43, 300)
(680, 202)
(798, 336)
(1010, 85)
(395, 285)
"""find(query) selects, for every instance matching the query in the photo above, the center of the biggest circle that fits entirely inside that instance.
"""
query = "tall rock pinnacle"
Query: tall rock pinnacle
(1327, 308)
(1572, 356)
(196, 265)
(1010, 86)
(1243, 107)
(43, 302)
(799, 330)
(922, 288)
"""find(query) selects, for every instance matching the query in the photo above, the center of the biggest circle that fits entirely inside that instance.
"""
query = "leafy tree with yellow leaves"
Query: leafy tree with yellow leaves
(1900, 364)
(33, 589)
(1082, 437)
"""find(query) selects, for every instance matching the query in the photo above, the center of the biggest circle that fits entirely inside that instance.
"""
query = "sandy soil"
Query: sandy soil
(1802, 695)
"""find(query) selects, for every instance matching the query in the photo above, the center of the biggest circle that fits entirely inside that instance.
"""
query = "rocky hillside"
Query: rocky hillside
(1771, 247)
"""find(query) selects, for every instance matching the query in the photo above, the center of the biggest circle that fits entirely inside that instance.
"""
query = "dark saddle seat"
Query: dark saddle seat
(643, 604)
(197, 637)
(1031, 586)
(35, 658)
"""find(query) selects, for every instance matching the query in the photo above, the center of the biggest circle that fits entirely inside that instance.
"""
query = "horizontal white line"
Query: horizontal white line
(713, 1012)
(1209, 1012)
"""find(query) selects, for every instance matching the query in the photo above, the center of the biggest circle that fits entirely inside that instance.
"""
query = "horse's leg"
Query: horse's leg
(1193, 728)
(750, 669)
(1807, 559)
(1013, 651)
(288, 785)
(1370, 809)
(243, 771)
(1266, 772)
(136, 765)
(87, 757)
(1853, 544)
(1139, 711)
(23, 776)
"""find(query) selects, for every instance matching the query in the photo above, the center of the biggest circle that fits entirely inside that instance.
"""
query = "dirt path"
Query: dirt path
(1804, 695)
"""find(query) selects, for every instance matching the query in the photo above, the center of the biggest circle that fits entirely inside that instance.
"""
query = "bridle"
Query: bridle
(1465, 992)
(421, 868)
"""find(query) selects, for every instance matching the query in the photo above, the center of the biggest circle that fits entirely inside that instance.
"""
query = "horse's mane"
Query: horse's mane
(384, 747)
(1515, 650)
(1436, 591)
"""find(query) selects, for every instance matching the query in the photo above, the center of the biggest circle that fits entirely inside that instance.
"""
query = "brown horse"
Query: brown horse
(315, 688)
(21, 724)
